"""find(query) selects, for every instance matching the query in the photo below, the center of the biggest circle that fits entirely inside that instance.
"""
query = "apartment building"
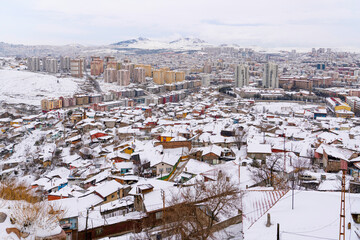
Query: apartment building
(270, 75)
(139, 75)
(96, 67)
(77, 67)
(110, 75)
(241, 76)
(33, 64)
(123, 77)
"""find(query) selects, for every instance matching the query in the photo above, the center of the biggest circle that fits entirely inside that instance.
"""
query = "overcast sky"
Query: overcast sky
(264, 23)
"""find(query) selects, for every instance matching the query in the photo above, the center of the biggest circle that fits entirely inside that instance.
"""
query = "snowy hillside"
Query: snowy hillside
(7, 49)
(179, 44)
(30, 88)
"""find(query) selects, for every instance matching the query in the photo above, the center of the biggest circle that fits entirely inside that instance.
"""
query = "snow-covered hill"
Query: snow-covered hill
(73, 50)
(178, 44)
(29, 88)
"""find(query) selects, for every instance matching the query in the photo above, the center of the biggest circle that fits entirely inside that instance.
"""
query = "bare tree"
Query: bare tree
(239, 134)
(31, 216)
(300, 165)
(270, 172)
(197, 209)
(26, 209)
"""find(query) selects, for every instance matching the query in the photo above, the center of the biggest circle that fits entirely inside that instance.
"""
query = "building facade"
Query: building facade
(110, 75)
(96, 67)
(77, 68)
(270, 75)
(139, 75)
(123, 77)
(241, 76)
(158, 76)
(65, 64)
(169, 77)
(33, 64)
(179, 76)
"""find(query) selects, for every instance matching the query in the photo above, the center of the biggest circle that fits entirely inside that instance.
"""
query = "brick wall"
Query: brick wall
(174, 144)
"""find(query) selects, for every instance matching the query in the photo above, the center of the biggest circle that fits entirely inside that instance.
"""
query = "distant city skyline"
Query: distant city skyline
(269, 24)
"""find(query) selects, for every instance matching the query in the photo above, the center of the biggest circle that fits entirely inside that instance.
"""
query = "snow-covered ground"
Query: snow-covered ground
(281, 107)
(41, 228)
(110, 86)
(24, 149)
(315, 216)
(29, 88)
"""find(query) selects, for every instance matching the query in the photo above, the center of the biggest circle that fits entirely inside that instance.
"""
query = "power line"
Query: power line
(282, 198)
(310, 236)
(317, 229)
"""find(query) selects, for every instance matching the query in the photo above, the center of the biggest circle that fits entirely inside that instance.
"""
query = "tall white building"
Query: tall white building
(130, 67)
(77, 67)
(43, 64)
(110, 75)
(65, 64)
(50, 65)
(139, 75)
(33, 64)
(270, 75)
(123, 77)
(205, 80)
(241, 76)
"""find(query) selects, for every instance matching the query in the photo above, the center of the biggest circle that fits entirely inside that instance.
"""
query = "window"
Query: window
(99, 231)
(356, 218)
(158, 215)
(168, 169)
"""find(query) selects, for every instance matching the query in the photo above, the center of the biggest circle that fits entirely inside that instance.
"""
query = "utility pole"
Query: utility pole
(239, 172)
(284, 153)
(293, 186)
(163, 210)
(263, 135)
(86, 225)
(163, 199)
(278, 232)
(343, 166)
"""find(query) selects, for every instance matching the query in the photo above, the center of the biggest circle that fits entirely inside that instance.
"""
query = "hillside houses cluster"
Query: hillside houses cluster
(124, 98)
(112, 169)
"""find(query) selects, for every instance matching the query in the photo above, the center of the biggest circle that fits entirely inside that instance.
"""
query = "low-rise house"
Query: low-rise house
(330, 157)
(118, 157)
(110, 191)
(258, 151)
(211, 154)
(97, 179)
(127, 148)
(73, 140)
(97, 134)
(109, 123)
(166, 160)
(123, 168)
(118, 207)
(165, 137)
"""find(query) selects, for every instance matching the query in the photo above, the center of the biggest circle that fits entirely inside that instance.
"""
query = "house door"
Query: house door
(69, 236)
(88, 236)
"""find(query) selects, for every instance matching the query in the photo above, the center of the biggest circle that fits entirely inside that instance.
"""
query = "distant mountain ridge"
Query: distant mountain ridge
(130, 45)
(130, 41)
(178, 44)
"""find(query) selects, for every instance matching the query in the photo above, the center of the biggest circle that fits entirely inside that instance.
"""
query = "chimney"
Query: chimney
(268, 222)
